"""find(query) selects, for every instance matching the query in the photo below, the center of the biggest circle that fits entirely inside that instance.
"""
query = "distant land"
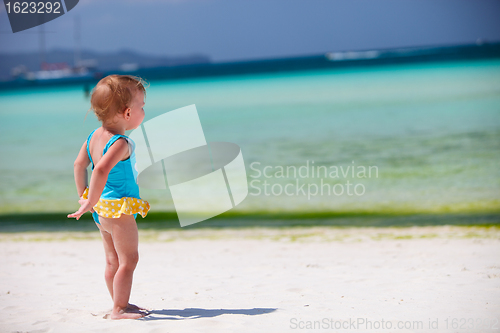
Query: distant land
(97, 65)
(102, 62)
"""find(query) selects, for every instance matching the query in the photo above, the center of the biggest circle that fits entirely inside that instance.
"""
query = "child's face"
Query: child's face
(136, 110)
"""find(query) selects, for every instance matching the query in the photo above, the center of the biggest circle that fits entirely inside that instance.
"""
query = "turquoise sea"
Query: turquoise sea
(431, 131)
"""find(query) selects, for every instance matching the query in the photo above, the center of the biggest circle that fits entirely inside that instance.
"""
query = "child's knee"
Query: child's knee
(112, 262)
(135, 257)
(130, 261)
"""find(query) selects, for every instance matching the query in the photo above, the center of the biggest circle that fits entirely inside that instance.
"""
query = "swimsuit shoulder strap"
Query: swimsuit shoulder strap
(88, 150)
(113, 140)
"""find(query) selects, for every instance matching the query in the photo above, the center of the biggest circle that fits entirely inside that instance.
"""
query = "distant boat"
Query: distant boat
(352, 55)
(82, 71)
(129, 67)
(57, 71)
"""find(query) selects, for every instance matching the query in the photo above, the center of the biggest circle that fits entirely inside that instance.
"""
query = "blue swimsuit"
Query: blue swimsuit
(121, 192)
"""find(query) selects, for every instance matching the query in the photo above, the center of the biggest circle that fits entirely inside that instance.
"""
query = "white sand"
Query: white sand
(258, 280)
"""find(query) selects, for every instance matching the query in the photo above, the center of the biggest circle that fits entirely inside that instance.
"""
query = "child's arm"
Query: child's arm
(100, 175)
(80, 169)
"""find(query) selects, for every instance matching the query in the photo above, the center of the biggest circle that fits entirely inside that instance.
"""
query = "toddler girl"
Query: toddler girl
(113, 193)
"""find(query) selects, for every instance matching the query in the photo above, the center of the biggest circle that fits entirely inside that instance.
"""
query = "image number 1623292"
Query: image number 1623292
(28, 14)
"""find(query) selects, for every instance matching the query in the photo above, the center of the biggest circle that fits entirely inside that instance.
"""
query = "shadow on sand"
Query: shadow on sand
(193, 313)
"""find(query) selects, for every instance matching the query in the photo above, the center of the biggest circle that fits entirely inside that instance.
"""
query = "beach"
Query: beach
(332, 279)
(373, 205)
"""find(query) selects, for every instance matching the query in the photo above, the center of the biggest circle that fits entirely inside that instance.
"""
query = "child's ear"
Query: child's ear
(127, 113)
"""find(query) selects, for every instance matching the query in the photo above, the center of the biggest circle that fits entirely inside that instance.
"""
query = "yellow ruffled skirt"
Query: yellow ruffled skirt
(115, 208)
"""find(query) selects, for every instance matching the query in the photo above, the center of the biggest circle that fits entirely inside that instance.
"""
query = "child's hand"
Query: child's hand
(82, 201)
(84, 207)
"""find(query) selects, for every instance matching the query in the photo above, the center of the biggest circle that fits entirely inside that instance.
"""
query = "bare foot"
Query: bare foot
(132, 308)
(126, 315)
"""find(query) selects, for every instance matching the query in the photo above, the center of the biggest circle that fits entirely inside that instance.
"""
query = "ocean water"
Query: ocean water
(397, 139)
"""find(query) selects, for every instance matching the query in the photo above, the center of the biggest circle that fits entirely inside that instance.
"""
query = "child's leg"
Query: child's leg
(125, 240)
(112, 265)
(111, 259)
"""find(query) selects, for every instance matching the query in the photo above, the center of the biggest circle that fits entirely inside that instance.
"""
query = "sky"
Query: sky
(236, 30)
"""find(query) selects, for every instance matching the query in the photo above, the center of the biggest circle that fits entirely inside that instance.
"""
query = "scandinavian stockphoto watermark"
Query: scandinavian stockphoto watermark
(204, 178)
(310, 179)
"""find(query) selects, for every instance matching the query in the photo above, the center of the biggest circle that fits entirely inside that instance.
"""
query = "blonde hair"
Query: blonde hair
(114, 93)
